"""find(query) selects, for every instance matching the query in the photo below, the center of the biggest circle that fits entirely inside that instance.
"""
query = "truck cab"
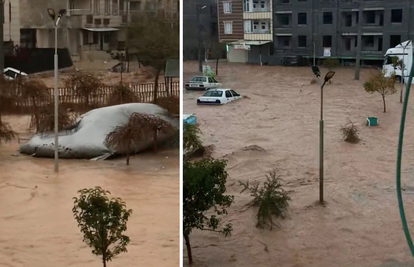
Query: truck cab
(404, 52)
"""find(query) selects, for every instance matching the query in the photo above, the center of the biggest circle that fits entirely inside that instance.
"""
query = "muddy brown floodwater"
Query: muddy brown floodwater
(37, 227)
(278, 123)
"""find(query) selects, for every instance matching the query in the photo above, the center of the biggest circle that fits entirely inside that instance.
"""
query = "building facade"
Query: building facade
(89, 29)
(330, 28)
(246, 27)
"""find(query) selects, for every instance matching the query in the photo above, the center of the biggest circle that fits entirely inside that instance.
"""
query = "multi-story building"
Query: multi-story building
(207, 25)
(89, 28)
(330, 28)
(246, 27)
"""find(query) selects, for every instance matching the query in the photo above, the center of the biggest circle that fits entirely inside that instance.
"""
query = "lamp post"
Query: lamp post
(200, 65)
(56, 21)
(403, 70)
(328, 76)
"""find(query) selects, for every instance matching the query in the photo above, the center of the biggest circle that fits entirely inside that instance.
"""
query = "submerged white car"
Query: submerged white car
(12, 73)
(202, 83)
(218, 97)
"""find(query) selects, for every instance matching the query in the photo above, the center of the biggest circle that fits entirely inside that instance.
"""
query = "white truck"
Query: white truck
(404, 52)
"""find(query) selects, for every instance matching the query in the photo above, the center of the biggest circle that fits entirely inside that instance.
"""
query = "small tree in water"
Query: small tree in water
(102, 222)
(380, 84)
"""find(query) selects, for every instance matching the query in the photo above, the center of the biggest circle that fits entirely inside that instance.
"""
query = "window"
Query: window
(396, 15)
(348, 20)
(122, 5)
(228, 94)
(301, 41)
(263, 5)
(370, 17)
(227, 7)
(327, 18)
(246, 6)
(213, 93)
(395, 40)
(368, 41)
(135, 6)
(115, 7)
(210, 80)
(234, 93)
(228, 27)
(96, 7)
(284, 41)
(301, 18)
(283, 19)
(327, 41)
(107, 7)
(285, 1)
(198, 79)
(248, 26)
(381, 21)
(347, 44)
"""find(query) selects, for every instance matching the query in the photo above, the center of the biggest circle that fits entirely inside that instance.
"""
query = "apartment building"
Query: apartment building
(90, 28)
(246, 26)
(330, 28)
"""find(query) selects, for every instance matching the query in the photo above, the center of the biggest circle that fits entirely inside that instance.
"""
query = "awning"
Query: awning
(101, 29)
(243, 42)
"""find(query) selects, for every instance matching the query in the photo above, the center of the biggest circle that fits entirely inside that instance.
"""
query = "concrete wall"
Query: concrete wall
(12, 23)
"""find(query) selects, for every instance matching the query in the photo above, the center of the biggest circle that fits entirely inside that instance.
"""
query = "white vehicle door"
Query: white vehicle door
(216, 83)
(229, 96)
(204, 81)
(211, 83)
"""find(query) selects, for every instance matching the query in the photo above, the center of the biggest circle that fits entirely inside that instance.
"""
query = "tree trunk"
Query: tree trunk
(156, 84)
(188, 245)
(127, 159)
(217, 61)
(103, 260)
(36, 114)
(383, 101)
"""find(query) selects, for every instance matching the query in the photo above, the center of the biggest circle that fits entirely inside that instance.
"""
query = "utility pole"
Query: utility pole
(1, 36)
(200, 65)
(359, 44)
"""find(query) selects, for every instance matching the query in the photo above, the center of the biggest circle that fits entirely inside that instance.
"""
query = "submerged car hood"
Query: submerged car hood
(86, 139)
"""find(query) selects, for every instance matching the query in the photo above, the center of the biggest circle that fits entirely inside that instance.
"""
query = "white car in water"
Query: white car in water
(202, 83)
(218, 97)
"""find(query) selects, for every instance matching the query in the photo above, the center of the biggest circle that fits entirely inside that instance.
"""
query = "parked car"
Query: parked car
(11, 73)
(202, 83)
(218, 97)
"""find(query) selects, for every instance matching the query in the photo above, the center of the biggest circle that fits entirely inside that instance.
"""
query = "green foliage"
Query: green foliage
(378, 83)
(350, 132)
(122, 94)
(271, 199)
(191, 139)
(84, 85)
(102, 222)
(204, 187)
(330, 63)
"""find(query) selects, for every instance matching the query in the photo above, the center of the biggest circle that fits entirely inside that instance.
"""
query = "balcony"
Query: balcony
(257, 9)
(257, 30)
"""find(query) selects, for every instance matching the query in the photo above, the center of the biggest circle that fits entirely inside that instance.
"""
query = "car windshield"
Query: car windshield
(10, 73)
(213, 93)
(198, 79)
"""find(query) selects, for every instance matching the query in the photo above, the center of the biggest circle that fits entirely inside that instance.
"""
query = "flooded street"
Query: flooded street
(37, 225)
(277, 127)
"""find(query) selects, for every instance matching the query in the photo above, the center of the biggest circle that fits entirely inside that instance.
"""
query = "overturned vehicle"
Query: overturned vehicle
(86, 139)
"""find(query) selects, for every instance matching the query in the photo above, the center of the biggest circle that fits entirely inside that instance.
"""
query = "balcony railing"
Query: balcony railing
(267, 9)
(258, 31)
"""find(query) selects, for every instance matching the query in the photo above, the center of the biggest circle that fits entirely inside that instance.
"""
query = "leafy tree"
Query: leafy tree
(138, 129)
(154, 39)
(204, 185)
(271, 199)
(191, 139)
(44, 120)
(8, 96)
(330, 63)
(37, 92)
(84, 85)
(378, 83)
(102, 222)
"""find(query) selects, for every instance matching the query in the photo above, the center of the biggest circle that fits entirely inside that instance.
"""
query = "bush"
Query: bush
(6, 133)
(45, 120)
(350, 132)
(191, 140)
(271, 199)
(330, 63)
(122, 94)
(170, 103)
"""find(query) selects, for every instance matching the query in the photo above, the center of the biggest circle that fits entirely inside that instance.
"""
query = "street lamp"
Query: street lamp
(328, 76)
(198, 8)
(56, 21)
(1, 36)
(403, 69)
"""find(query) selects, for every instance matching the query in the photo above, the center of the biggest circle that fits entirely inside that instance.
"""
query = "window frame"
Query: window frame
(231, 27)
(229, 8)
